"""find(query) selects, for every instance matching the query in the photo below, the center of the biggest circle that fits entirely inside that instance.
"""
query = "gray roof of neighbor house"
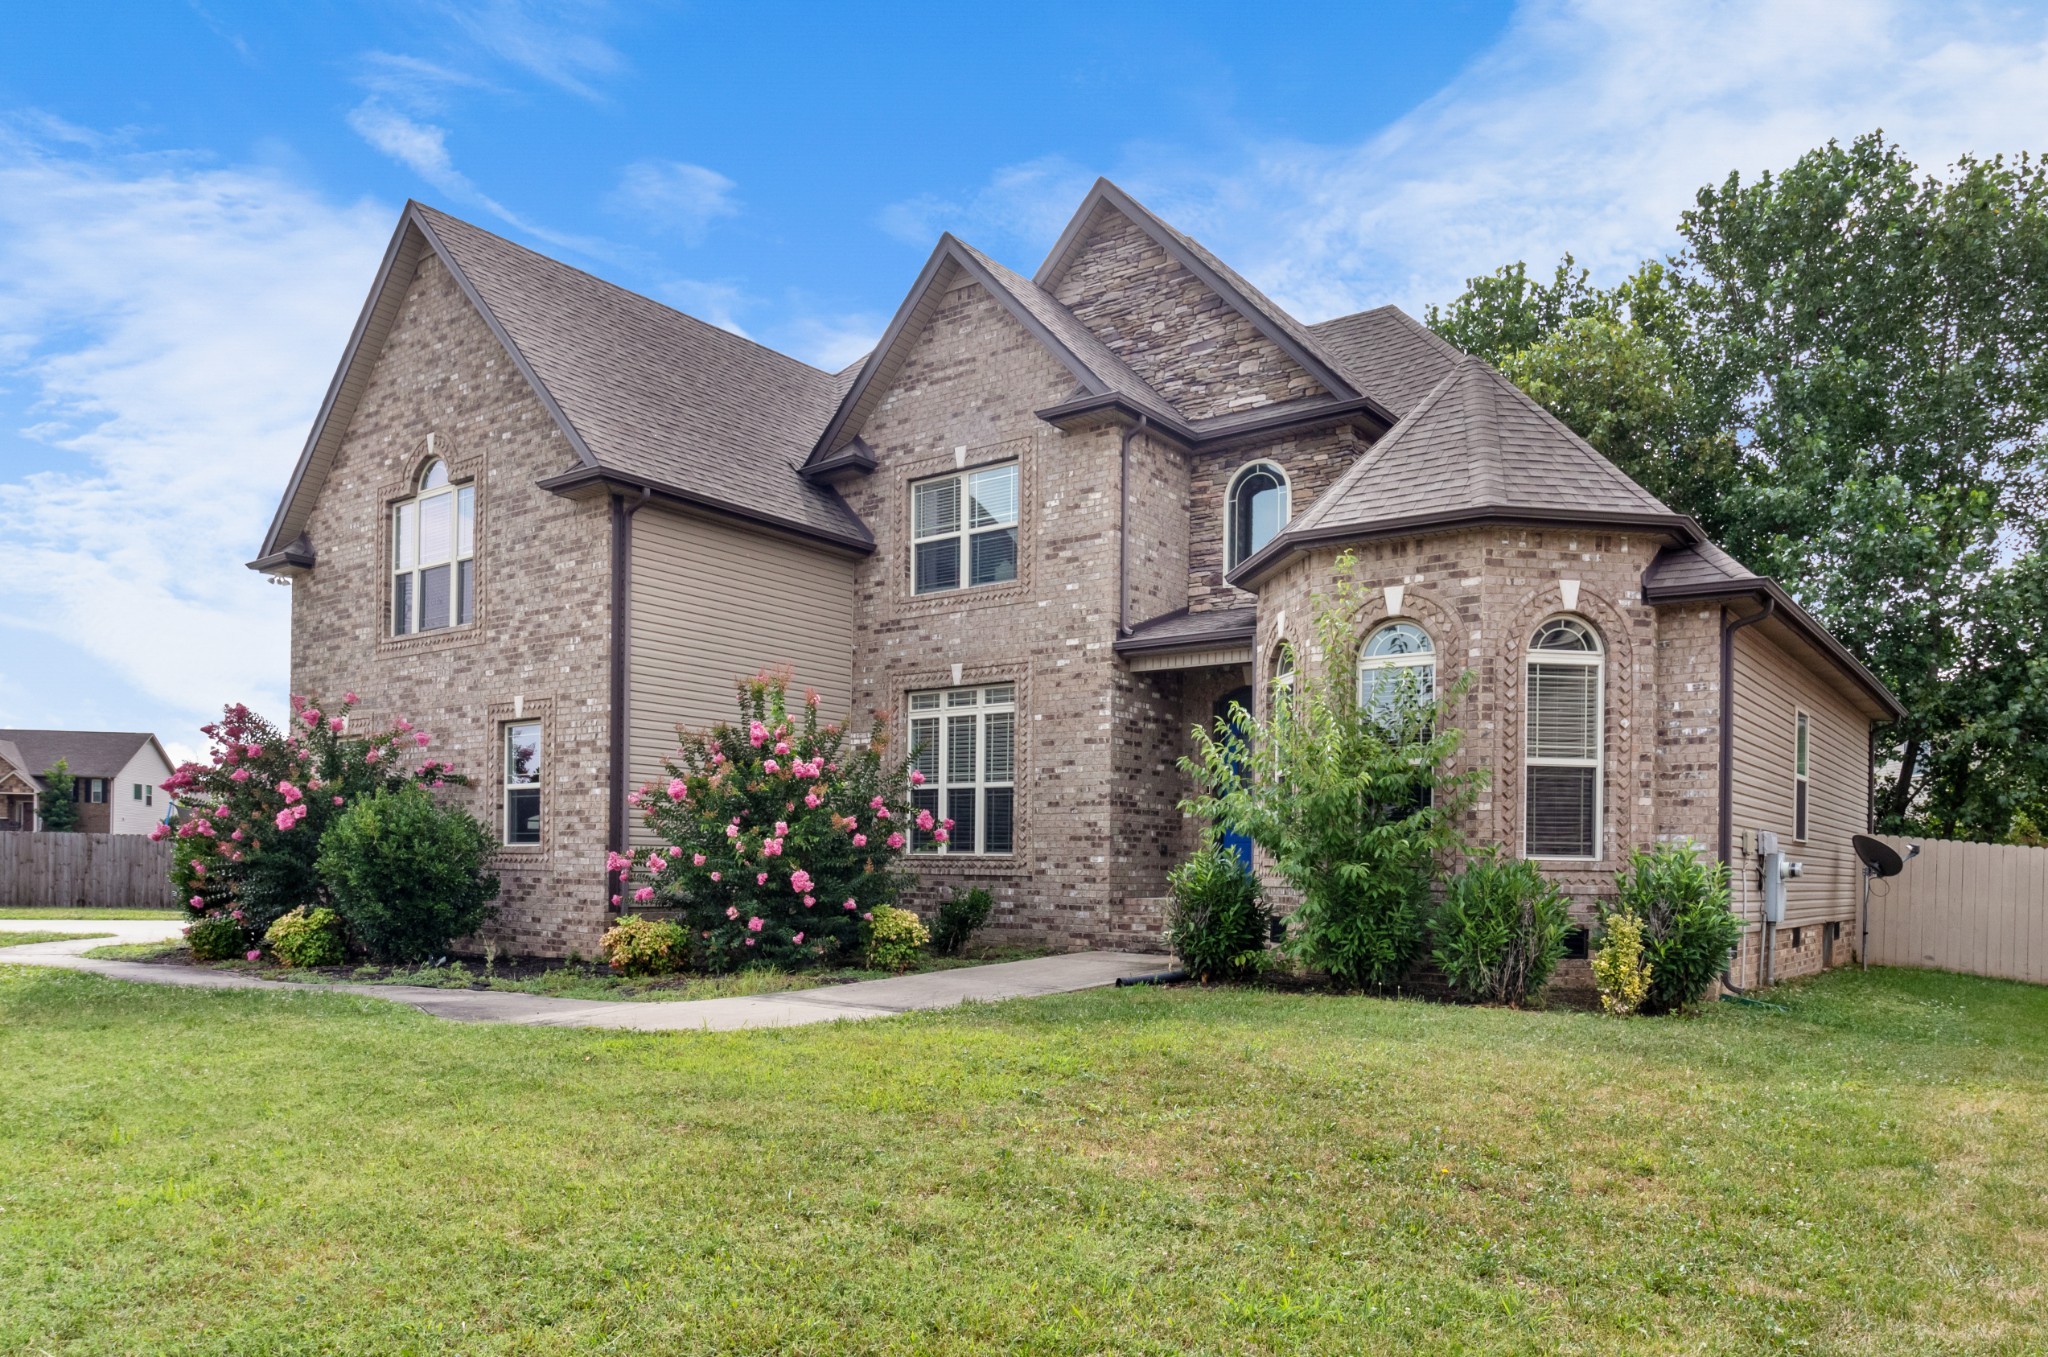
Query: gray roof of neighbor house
(1474, 449)
(645, 394)
(87, 753)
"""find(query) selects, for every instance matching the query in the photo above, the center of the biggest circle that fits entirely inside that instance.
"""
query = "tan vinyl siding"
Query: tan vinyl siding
(1771, 687)
(711, 603)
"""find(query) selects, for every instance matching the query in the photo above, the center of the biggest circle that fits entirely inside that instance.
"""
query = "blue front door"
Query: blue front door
(1241, 697)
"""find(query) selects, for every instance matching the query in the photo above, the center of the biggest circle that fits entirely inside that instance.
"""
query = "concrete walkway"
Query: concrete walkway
(828, 1003)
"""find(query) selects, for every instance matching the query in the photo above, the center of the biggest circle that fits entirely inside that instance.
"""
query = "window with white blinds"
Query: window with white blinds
(964, 742)
(1561, 749)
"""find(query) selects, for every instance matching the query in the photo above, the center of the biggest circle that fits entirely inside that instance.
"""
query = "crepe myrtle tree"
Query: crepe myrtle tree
(252, 815)
(780, 835)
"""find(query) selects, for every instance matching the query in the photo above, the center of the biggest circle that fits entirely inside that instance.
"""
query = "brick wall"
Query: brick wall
(541, 639)
(1311, 463)
(1176, 333)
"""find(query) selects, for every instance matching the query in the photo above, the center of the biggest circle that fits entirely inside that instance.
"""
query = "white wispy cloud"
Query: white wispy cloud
(558, 42)
(831, 342)
(172, 324)
(673, 196)
(1025, 203)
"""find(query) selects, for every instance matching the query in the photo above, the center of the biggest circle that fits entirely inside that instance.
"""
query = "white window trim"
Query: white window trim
(1417, 660)
(1597, 659)
(456, 492)
(1802, 732)
(964, 533)
(939, 778)
(505, 729)
(1230, 506)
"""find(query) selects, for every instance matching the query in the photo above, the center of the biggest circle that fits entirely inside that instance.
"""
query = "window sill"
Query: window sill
(441, 638)
(968, 596)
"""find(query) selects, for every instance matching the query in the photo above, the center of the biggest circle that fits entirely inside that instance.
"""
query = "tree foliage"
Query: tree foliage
(1844, 375)
(59, 811)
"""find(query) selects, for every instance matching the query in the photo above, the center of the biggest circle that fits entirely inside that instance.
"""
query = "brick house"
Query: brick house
(1049, 523)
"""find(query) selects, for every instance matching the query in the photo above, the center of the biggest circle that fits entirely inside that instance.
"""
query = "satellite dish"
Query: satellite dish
(1879, 857)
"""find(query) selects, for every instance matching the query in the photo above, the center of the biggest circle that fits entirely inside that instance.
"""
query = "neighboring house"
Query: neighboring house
(1048, 525)
(117, 778)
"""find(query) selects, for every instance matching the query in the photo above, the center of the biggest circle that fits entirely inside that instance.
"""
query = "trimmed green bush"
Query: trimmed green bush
(407, 873)
(959, 915)
(895, 937)
(1500, 929)
(1619, 971)
(638, 946)
(1688, 930)
(218, 938)
(1220, 922)
(300, 938)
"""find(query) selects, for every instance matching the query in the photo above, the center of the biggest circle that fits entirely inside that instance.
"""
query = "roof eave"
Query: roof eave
(295, 559)
(595, 482)
(1762, 587)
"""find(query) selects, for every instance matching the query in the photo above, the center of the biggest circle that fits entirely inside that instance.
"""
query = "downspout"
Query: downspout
(621, 732)
(1727, 737)
(1123, 524)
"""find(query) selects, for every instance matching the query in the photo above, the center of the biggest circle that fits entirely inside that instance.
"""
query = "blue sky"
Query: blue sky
(193, 198)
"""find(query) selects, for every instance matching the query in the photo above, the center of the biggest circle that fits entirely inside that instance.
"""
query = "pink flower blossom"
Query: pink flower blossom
(633, 798)
(798, 939)
(868, 916)
(617, 862)
(289, 792)
(782, 746)
(781, 828)
(732, 911)
(758, 734)
(644, 894)
(760, 878)
(311, 716)
(335, 723)
(348, 699)
(895, 840)
(285, 819)
(677, 789)
(236, 836)
(439, 784)
(157, 835)
(810, 900)
(754, 925)
(947, 823)
(255, 955)
(883, 813)
(337, 800)
(811, 800)
(198, 868)
(916, 778)
(236, 915)
(771, 848)
(252, 750)
(800, 881)
(197, 902)
(939, 836)
(696, 859)
(374, 755)
(422, 737)
(850, 904)
(852, 824)
(750, 942)
(240, 775)
(298, 814)
(860, 841)
(732, 831)
(718, 876)
(924, 820)
(772, 766)
(876, 804)
(615, 902)
(656, 862)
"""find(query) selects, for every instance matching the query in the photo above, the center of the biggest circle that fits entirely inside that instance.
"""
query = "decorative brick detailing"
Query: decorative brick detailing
(1187, 343)
(544, 638)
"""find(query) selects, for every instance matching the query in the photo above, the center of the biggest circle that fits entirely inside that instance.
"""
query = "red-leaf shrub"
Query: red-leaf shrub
(783, 836)
(251, 817)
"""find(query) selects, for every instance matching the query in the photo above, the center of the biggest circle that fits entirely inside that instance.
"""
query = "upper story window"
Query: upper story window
(1561, 750)
(1396, 667)
(964, 741)
(963, 529)
(433, 550)
(1255, 512)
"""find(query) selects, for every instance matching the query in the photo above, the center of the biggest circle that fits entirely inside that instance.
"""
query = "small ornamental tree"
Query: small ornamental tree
(60, 812)
(248, 836)
(782, 836)
(1355, 802)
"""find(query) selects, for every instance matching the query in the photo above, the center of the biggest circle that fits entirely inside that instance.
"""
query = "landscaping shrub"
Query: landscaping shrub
(1688, 930)
(1219, 923)
(1355, 804)
(407, 873)
(637, 946)
(216, 938)
(782, 834)
(252, 818)
(1500, 929)
(894, 938)
(302, 938)
(959, 915)
(1619, 971)
(59, 811)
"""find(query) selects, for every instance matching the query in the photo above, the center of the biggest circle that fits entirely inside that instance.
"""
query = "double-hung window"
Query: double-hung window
(963, 529)
(965, 743)
(522, 782)
(1561, 751)
(433, 556)
(1801, 741)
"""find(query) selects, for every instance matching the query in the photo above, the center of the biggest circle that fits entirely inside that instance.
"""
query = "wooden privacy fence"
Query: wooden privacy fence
(117, 871)
(1981, 908)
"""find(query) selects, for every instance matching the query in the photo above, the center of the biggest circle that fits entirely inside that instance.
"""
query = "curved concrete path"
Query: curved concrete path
(828, 1003)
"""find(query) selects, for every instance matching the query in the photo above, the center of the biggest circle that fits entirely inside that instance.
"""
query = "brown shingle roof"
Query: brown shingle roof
(655, 394)
(88, 753)
(1185, 630)
(1390, 354)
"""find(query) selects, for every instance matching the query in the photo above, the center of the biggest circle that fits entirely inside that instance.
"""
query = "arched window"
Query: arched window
(433, 555)
(1255, 512)
(1397, 667)
(1562, 744)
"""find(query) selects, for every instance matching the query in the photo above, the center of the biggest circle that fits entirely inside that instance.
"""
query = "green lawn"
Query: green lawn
(42, 935)
(1128, 1171)
(67, 912)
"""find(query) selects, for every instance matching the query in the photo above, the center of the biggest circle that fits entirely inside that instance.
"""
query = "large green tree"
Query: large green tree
(59, 811)
(1844, 375)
